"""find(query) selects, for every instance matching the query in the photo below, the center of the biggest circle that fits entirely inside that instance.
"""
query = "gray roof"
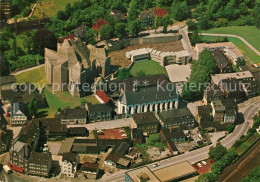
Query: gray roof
(40, 158)
(148, 95)
(98, 108)
(175, 115)
(74, 113)
(145, 118)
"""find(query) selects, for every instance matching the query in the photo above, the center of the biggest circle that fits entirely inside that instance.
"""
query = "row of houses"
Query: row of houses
(163, 58)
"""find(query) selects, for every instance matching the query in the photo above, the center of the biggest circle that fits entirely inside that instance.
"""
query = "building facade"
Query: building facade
(98, 112)
(73, 116)
(69, 165)
(40, 164)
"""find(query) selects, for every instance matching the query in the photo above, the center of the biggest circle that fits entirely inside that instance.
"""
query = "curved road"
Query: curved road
(202, 153)
(236, 36)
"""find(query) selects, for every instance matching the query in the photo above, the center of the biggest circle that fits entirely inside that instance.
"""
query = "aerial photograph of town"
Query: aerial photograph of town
(130, 90)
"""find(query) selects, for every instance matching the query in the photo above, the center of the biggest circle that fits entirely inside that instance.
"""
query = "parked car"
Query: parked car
(156, 165)
(7, 169)
(199, 164)
(204, 163)
(196, 166)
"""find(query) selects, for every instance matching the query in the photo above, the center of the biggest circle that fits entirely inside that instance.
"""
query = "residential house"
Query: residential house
(218, 110)
(53, 127)
(221, 61)
(117, 155)
(137, 135)
(91, 169)
(147, 18)
(23, 145)
(101, 97)
(98, 112)
(40, 164)
(70, 163)
(231, 110)
(145, 121)
(211, 93)
(19, 114)
(73, 116)
(177, 117)
(204, 113)
(239, 86)
(229, 49)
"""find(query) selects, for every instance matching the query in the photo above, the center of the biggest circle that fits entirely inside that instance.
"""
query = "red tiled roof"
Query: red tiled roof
(160, 12)
(68, 37)
(113, 134)
(16, 168)
(102, 96)
(99, 23)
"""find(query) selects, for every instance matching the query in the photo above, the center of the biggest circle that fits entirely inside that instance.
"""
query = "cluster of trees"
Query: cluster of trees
(124, 73)
(21, 7)
(200, 76)
(26, 49)
(222, 158)
(254, 175)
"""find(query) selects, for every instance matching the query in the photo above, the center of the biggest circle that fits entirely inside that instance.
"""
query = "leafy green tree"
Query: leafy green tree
(133, 10)
(153, 138)
(180, 10)
(253, 176)
(124, 73)
(191, 25)
(120, 30)
(44, 38)
(33, 107)
(257, 16)
(195, 37)
(217, 152)
(166, 21)
(106, 32)
(204, 23)
(207, 177)
(134, 27)
(90, 36)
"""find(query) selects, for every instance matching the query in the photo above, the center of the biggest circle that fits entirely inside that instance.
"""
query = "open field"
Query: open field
(149, 67)
(118, 58)
(249, 55)
(63, 100)
(36, 76)
(250, 33)
(50, 7)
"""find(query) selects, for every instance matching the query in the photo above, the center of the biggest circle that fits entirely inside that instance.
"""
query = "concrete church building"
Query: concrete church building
(75, 64)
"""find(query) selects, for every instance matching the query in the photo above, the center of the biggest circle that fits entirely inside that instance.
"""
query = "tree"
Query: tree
(257, 16)
(44, 38)
(204, 23)
(106, 32)
(90, 36)
(33, 107)
(207, 177)
(191, 25)
(134, 27)
(153, 139)
(217, 152)
(253, 176)
(124, 73)
(166, 21)
(119, 30)
(180, 10)
(132, 11)
(195, 37)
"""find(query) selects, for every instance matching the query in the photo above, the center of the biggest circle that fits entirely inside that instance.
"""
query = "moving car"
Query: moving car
(199, 164)
(156, 165)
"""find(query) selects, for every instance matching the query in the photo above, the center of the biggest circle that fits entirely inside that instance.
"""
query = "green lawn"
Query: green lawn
(149, 67)
(250, 33)
(249, 55)
(36, 76)
(63, 100)
(51, 7)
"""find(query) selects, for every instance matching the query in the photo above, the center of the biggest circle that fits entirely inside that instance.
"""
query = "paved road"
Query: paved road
(202, 153)
(186, 42)
(105, 124)
(230, 35)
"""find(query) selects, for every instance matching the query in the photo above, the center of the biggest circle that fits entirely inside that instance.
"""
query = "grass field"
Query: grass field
(250, 33)
(51, 7)
(249, 55)
(36, 76)
(149, 67)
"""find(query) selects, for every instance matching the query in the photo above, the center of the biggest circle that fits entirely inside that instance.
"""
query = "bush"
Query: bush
(231, 128)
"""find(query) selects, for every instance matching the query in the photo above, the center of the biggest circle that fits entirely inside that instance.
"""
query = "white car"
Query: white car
(156, 165)
(204, 163)
(256, 66)
(199, 164)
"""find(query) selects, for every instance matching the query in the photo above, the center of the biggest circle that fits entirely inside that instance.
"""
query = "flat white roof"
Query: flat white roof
(178, 73)
(239, 75)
